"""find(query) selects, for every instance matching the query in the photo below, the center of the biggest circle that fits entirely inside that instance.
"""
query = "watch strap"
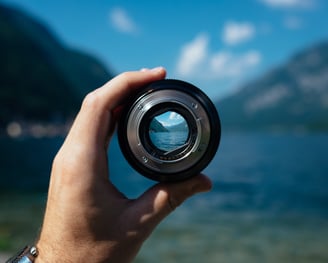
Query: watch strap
(27, 255)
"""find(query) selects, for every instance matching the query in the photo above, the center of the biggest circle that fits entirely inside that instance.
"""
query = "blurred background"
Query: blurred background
(264, 63)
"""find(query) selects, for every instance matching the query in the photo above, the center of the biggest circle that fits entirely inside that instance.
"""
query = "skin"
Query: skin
(87, 219)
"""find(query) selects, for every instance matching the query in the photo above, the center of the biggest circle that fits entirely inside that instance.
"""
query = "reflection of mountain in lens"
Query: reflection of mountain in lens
(168, 131)
(156, 126)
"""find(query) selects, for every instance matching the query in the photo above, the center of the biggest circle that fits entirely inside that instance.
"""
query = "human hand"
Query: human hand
(87, 219)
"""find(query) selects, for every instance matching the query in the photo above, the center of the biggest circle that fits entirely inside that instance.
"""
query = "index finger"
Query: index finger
(114, 92)
(95, 117)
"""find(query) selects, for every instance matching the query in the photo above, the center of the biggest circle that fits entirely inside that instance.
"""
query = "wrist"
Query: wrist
(65, 252)
(49, 253)
(55, 252)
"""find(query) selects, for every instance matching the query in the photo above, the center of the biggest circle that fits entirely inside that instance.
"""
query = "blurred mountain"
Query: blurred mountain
(293, 96)
(40, 78)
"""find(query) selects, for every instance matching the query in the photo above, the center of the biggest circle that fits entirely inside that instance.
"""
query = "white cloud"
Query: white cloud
(235, 33)
(290, 3)
(292, 22)
(175, 116)
(196, 61)
(192, 55)
(226, 64)
(122, 22)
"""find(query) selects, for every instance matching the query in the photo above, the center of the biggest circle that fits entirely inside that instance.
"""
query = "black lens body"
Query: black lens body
(142, 120)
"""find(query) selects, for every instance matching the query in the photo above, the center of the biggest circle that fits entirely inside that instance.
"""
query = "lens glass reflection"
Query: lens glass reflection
(168, 131)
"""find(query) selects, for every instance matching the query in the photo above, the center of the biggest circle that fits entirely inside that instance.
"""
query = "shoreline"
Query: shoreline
(23, 129)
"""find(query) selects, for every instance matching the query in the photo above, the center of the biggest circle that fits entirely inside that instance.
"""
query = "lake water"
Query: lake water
(269, 202)
(168, 141)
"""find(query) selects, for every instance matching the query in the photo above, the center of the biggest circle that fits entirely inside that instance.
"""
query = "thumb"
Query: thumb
(160, 200)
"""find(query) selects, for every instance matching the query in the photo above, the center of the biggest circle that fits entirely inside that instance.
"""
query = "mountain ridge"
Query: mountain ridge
(292, 96)
(41, 79)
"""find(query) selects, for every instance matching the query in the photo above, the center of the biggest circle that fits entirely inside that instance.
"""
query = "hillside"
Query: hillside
(156, 126)
(293, 96)
(181, 127)
(40, 78)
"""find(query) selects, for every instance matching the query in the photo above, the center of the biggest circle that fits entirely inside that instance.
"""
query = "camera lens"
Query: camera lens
(169, 131)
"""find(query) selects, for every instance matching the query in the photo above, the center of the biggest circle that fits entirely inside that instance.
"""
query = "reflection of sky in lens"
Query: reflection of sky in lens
(170, 118)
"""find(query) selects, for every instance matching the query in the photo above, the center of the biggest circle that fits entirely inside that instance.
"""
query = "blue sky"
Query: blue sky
(216, 45)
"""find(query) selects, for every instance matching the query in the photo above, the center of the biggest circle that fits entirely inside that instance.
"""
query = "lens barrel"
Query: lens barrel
(169, 131)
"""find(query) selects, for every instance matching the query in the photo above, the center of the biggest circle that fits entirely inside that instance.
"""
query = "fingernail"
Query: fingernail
(157, 69)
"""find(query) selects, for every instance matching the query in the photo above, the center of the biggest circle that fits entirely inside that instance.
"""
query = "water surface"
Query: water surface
(268, 203)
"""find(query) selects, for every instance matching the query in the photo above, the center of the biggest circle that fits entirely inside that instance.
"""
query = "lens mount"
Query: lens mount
(169, 131)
